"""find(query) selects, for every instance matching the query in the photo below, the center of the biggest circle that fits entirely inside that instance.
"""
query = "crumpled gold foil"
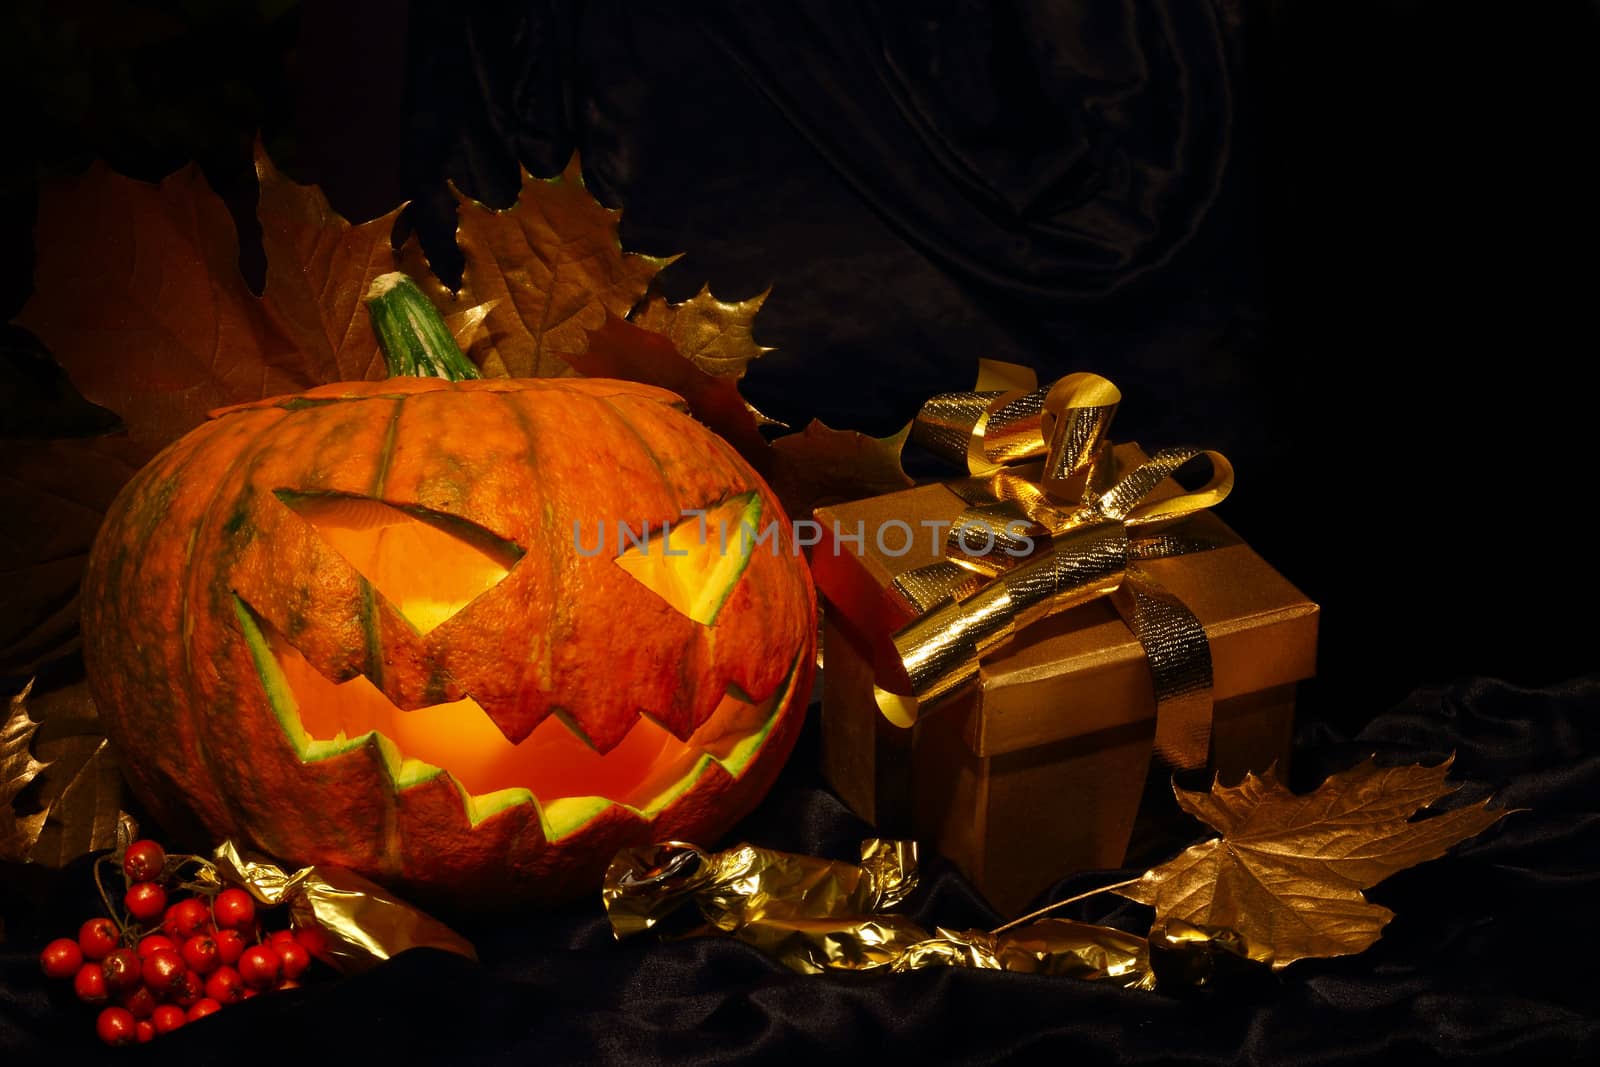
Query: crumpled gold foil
(1089, 525)
(816, 915)
(365, 924)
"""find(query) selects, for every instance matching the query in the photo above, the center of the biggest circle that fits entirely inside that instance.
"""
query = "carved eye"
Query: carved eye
(429, 565)
(695, 564)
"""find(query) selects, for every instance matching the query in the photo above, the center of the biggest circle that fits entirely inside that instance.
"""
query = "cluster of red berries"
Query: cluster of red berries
(167, 963)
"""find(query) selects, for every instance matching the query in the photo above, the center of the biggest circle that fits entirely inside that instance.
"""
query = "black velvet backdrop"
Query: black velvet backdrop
(1348, 244)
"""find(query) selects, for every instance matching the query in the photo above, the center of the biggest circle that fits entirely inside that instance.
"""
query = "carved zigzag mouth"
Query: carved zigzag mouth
(555, 768)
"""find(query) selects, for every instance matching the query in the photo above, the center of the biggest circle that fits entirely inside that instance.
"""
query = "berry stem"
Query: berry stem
(105, 898)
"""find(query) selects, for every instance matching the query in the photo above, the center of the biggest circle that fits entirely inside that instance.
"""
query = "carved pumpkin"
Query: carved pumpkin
(461, 636)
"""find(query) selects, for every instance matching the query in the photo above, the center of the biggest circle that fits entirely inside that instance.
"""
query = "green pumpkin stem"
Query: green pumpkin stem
(415, 341)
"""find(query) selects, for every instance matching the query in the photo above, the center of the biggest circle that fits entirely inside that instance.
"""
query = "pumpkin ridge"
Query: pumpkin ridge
(186, 625)
(369, 605)
(386, 455)
(644, 446)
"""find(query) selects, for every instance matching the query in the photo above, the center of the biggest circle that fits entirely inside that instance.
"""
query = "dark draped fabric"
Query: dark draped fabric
(1489, 958)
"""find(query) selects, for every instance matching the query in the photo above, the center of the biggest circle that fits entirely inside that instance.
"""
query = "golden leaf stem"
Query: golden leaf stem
(1048, 908)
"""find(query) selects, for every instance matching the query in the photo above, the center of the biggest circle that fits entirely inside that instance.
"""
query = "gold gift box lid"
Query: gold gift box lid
(1080, 671)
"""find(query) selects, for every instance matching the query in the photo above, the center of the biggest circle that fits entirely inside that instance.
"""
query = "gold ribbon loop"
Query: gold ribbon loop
(1078, 411)
(1130, 498)
(1023, 549)
(952, 426)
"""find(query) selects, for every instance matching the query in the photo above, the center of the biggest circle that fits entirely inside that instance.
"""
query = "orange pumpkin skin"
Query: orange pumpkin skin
(202, 543)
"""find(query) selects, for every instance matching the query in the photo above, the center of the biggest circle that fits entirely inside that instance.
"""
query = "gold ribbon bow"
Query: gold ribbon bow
(1038, 539)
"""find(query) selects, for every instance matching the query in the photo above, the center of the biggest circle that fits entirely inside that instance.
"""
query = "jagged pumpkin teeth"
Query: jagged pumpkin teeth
(375, 631)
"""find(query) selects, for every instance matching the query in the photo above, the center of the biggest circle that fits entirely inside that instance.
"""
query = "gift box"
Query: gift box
(1036, 767)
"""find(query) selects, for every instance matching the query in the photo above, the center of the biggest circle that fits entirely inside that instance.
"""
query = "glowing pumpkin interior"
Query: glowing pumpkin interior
(430, 567)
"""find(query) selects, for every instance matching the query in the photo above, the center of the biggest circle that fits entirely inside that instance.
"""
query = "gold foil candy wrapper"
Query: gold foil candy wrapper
(1185, 955)
(815, 915)
(364, 923)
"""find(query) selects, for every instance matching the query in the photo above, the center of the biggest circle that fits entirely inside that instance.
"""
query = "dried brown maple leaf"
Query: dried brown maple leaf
(1287, 873)
(319, 268)
(619, 349)
(715, 335)
(137, 293)
(820, 465)
(553, 267)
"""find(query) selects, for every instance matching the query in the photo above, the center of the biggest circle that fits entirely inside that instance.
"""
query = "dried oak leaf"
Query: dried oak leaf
(1288, 871)
(554, 269)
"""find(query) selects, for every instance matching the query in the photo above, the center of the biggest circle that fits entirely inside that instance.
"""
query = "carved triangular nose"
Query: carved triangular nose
(427, 564)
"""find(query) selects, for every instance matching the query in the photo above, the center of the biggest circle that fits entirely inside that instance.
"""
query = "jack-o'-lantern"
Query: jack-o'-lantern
(469, 637)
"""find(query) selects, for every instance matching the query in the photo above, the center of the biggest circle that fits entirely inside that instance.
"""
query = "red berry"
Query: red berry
(313, 940)
(116, 1026)
(97, 938)
(225, 986)
(61, 958)
(260, 967)
(203, 1007)
(188, 989)
(168, 1017)
(278, 938)
(145, 900)
(156, 943)
(230, 946)
(201, 953)
(187, 918)
(145, 1029)
(294, 960)
(143, 861)
(90, 984)
(140, 1001)
(249, 991)
(162, 971)
(234, 909)
(124, 970)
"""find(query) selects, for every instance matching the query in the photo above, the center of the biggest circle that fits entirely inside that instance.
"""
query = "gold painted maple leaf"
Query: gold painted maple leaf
(1287, 873)
(54, 736)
